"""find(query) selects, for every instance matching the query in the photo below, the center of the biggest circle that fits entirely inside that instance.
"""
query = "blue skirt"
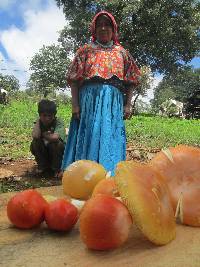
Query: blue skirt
(100, 134)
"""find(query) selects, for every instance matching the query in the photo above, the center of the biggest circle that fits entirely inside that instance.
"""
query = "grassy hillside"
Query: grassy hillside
(16, 121)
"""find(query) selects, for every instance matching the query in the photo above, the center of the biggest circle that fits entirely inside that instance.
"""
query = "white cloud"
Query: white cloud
(41, 28)
(150, 92)
(1, 57)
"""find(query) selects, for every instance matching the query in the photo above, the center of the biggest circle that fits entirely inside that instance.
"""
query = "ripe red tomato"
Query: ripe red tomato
(104, 223)
(26, 209)
(61, 215)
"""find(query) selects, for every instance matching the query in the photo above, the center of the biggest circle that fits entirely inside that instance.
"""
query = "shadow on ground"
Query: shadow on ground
(21, 174)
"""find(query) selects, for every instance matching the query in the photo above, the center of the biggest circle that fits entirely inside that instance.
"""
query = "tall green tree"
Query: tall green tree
(162, 34)
(162, 92)
(9, 82)
(48, 67)
(145, 84)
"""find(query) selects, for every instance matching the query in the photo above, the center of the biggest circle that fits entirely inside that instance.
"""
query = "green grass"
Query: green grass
(17, 118)
(158, 132)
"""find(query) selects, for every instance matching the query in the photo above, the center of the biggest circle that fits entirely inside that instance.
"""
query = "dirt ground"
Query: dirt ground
(21, 174)
(16, 175)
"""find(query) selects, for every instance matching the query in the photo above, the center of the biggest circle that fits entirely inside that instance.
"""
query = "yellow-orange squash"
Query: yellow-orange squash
(80, 178)
(180, 168)
(107, 187)
(146, 195)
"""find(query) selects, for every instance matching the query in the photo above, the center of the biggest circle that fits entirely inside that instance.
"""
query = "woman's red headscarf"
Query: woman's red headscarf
(93, 25)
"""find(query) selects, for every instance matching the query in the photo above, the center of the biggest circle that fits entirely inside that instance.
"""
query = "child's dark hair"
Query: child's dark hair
(47, 106)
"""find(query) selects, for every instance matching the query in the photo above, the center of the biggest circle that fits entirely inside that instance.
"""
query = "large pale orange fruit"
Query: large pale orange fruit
(80, 178)
(180, 168)
(146, 195)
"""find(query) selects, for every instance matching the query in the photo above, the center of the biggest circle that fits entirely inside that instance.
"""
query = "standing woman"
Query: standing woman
(100, 74)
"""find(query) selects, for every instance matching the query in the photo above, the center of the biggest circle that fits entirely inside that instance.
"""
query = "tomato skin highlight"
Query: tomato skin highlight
(61, 215)
(105, 223)
(26, 209)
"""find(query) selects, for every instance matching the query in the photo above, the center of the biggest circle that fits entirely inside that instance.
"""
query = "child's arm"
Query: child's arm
(50, 137)
(36, 132)
(59, 132)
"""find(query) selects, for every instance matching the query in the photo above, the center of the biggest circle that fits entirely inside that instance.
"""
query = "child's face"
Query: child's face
(47, 118)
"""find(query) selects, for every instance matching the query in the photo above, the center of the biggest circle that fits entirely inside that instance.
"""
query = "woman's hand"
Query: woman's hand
(76, 112)
(127, 111)
(75, 101)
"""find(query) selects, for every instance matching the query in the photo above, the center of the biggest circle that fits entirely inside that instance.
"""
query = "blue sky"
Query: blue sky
(195, 62)
(27, 25)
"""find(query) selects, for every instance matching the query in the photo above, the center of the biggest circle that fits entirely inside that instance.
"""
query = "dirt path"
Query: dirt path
(21, 174)
(23, 167)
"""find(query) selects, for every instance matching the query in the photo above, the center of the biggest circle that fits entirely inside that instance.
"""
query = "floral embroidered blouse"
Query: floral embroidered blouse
(93, 60)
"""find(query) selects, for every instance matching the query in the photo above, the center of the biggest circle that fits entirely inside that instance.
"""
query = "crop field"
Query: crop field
(143, 131)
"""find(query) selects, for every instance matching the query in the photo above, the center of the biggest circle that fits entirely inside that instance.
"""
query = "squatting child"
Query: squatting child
(49, 137)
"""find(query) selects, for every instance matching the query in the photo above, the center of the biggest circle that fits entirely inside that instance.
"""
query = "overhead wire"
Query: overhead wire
(18, 70)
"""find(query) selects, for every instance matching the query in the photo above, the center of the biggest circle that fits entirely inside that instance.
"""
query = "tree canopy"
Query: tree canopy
(48, 67)
(9, 82)
(145, 84)
(162, 34)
